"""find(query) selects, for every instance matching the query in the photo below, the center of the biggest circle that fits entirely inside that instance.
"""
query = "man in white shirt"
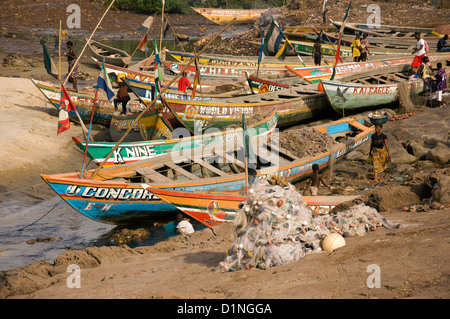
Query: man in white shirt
(184, 227)
(419, 50)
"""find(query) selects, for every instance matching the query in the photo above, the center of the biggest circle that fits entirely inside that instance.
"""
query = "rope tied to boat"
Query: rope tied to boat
(42, 216)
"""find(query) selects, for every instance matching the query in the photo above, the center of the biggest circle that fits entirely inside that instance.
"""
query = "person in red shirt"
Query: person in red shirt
(184, 83)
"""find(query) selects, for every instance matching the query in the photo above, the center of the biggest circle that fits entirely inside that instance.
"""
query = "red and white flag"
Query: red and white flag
(143, 44)
(65, 106)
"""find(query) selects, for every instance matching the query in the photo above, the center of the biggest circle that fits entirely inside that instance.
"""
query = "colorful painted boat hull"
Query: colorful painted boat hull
(146, 92)
(136, 151)
(84, 103)
(109, 198)
(260, 86)
(306, 48)
(224, 71)
(350, 98)
(197, 114)
(216, 208)
(315, 74)
(224, 16)
(236, 61)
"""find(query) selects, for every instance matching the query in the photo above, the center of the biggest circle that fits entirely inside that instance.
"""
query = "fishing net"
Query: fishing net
(405, 101)
(274, 227)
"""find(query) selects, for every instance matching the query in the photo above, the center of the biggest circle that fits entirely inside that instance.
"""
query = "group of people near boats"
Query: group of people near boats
(434, 78)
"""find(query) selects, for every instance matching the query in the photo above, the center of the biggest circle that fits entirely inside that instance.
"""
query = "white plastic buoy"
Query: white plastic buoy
(332, 242)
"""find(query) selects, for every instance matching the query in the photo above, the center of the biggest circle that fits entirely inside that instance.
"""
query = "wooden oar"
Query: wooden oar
(296, 73)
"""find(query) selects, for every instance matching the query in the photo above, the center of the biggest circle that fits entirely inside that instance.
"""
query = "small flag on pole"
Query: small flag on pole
(104, 82)
(147, 24)
(166, 27)
(143, 44)
(272, 42)
(48, 62)
(65, 106)
(158, 74)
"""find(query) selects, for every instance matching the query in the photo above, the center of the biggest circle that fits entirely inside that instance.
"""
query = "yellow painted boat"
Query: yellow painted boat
(224, 16)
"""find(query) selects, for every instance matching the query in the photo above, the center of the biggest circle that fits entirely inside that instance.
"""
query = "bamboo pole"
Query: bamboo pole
(157, 97)
(89, 40)
(162, 24)
(59, 51)
(85, 131)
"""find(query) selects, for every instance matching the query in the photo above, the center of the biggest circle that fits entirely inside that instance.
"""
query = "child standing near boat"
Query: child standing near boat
(356, 48)
(317, 52)
(71, 59)
(314, 183)
(364, 48)
(441, 83)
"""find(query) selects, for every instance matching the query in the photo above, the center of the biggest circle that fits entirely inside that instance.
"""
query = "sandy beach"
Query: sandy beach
(414, 259)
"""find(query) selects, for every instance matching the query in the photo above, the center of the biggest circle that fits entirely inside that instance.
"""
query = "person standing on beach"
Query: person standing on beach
(364, 48)
(419, 50)
(379, 153)
(317, 52)
(314, 183)
(441, 83)
(356, 48)
(71, 58)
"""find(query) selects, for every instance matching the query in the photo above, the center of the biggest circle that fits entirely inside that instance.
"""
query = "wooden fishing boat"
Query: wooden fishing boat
(110, 54)
(225, 71)
(136, 151)
(116, 195)
(370, 89)
(302, 29)
(152, 126)
(261, 85)
(294, 105)
(375, 42)
(383, 30)
(346, 40)
(213, 208)
(224, 16)
(317, 73)
(146, 91)
(230, 60)
(84, 102)
(149, 77)
(306, 48)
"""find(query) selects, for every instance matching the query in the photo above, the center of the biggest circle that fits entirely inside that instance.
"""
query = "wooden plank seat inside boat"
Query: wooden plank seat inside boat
(151, 175)
(181, 170)
(223, 162)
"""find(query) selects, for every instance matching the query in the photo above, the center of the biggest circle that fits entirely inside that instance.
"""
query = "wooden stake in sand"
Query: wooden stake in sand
(157, 97)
